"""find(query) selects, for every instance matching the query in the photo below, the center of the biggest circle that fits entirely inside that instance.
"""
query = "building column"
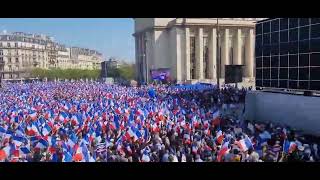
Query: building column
(237, 48)
(249, 48)
(213, 54)
(179, 64)
(187, 54)
(225, 52)
(199, 54)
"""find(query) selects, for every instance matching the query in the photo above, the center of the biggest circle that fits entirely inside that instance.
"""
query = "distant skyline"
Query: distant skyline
(110, 36)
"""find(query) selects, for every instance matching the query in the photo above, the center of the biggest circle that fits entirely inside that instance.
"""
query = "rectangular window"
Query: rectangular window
(266, 27)
(275, 61)
(304, 33)
(15, 44)
(275, 38)
(304, 46)
(274, 73)
(304, 21)
(8, 44)
(266, 62)
(283, 48)
(315, 59)
(258, 83)
(259, 62)
(274, 83)
(293, 34)
(283, 73)
(304, 73)
(1, 52)
(259, 40)
(315, 20)
(266, 83)
(314, 85)
(293, 22)
(266, 39)
(284, 61)
(293, 73)
(283, 23)
(9, 60)
(259, 29)
(293, 84)
(304, 60)
(274, 49)
(17, 60)
(293, 61)
(266, 73)
(259, 73)
(266, 50)
(303, 85)
(284, 36)
(293, 47)
(275, 25)
(315, 73)
(315, 45)
(315, 31)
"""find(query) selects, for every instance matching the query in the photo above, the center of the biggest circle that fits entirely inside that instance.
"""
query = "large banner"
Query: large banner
(160, 74)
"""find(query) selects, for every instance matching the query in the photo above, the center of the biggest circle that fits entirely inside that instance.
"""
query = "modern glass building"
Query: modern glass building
(288, 53)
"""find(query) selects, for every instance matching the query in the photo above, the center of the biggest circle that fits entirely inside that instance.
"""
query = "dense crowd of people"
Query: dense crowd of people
(95, 122)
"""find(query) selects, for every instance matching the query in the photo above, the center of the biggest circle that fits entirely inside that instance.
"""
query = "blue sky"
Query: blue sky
(111, 36)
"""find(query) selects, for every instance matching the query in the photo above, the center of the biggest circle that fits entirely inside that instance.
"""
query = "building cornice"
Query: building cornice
(201, 22)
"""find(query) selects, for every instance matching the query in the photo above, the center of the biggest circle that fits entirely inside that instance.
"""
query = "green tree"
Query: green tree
(127, 72)
(55, 73)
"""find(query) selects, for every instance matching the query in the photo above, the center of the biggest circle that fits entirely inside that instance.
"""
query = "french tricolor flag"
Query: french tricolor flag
(70, 143)
(155, 128)
(18, 141)
(74, 120)
(6, 151)
(33, 116)
(216, 118)
(289, 147)
(130, 134)
(66, 157)
(219, 137)
(42, 144)
(224, 149)
(32, 130)
(46, 130)
(292, 147)
(25, 150)
(245, 144)
(194, 149)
